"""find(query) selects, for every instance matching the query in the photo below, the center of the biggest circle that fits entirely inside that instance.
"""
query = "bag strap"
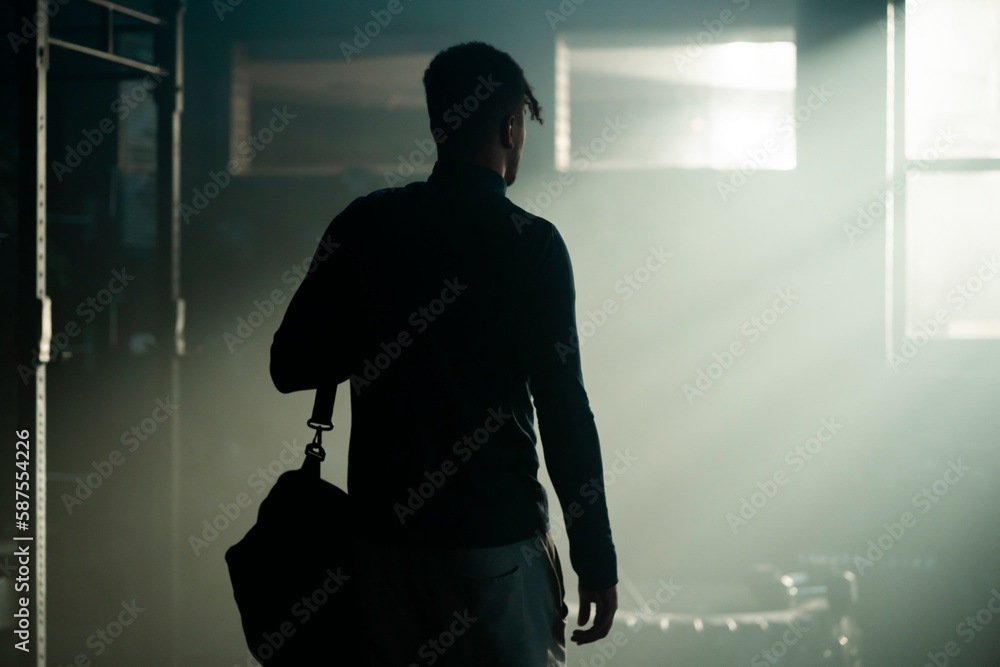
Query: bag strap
(321, 420)
(322, 415)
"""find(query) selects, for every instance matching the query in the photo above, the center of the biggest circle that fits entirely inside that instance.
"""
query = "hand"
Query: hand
(607, 605)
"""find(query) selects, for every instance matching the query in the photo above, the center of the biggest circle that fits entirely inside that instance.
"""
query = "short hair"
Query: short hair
(471, 88)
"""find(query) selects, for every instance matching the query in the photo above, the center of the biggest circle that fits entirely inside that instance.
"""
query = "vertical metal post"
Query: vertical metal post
(34, 330)
(891, 101)
(169, 50)
(896, 231)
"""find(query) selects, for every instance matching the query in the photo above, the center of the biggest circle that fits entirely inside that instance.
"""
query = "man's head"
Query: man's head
(477, 97)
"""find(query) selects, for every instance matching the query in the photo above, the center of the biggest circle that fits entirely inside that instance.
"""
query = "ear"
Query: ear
(507, 129)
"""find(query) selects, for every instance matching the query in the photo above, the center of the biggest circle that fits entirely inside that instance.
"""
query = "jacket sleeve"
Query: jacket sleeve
(318, 339)
(570, 441)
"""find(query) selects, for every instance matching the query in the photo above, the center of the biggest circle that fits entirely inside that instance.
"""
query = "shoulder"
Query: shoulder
(368, 209)
(531, 228)
(386, 196)
(540, 240)
(374, 199)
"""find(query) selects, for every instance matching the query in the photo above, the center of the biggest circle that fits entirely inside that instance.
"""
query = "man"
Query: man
(448, 309)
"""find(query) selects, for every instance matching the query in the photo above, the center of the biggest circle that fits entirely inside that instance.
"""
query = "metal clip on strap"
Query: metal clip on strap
(321, 420)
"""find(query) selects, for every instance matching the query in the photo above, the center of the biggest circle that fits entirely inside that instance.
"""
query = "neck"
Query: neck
(488, 159)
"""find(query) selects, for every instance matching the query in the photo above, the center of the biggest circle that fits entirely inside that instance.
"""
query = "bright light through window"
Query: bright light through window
(711, 106)
(953, 245)
(952, 115)
(953, 76)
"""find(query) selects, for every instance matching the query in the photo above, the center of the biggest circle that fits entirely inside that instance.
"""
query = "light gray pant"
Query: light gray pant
(483, 607)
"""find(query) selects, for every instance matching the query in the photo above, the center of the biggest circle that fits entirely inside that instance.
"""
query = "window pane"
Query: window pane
(368, 114)
(953, 76)
(952, 246)
(712, 107)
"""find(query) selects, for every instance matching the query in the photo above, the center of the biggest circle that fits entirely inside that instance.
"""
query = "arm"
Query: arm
(317, 340)
(569, 435)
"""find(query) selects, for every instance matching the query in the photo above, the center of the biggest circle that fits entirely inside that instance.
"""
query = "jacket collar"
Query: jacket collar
(467, 176)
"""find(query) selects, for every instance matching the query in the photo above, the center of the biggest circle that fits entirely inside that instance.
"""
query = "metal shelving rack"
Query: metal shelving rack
(34, 307)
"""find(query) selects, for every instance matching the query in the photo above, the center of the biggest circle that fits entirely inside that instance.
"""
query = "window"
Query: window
(943, 166)
(685, 101)
(329, 116)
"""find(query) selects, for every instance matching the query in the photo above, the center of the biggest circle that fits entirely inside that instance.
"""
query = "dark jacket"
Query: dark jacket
(449, 308)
